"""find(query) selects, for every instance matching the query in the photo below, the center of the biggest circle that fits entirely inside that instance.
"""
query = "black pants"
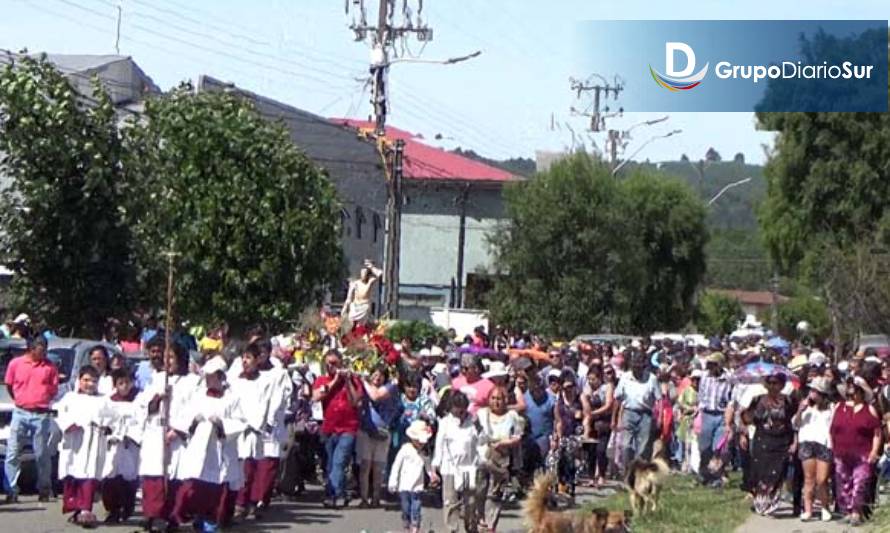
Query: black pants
(597, 456)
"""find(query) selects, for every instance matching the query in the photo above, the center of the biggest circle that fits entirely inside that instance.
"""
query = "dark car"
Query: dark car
(69, 355)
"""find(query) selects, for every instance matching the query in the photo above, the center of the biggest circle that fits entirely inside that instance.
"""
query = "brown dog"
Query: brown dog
(644, 480)
(542, 520)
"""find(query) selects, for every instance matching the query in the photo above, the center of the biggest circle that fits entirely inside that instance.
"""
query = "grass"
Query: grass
(880, 522)
(685, 506)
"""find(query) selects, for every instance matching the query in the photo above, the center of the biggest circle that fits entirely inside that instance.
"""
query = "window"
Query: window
(359, 220)
(344, 221)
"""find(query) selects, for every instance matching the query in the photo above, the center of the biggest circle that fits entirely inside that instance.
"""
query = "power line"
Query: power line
(207, 49)
(225, 43)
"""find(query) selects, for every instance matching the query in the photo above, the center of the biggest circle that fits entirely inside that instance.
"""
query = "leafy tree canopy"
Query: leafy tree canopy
(585, 252)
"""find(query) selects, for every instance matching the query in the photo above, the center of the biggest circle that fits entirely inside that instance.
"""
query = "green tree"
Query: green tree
(60, 229)
(718, 314)
(825, 219)
(255, 221)
(583, 252)
(804, 308)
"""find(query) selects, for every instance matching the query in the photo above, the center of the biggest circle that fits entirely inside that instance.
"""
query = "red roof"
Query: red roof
(750, 297)
(424, 162)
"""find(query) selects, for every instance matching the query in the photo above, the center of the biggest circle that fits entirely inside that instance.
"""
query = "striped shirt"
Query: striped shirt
(714, 393)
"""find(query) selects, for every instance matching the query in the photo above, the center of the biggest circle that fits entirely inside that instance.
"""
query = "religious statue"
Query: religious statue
(358, 300)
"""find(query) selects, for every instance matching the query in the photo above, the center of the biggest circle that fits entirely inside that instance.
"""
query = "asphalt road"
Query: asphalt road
(304, 515)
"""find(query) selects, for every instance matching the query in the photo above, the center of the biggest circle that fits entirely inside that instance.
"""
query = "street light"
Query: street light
(640, 149)
(730, 186)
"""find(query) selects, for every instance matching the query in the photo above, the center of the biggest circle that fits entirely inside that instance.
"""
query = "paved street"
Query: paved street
(306, 515)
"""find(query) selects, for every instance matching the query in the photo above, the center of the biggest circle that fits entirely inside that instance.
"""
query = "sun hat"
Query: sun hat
(821, 385)
(419, 431)
(797, 362)
(496, 369)
(716, 357)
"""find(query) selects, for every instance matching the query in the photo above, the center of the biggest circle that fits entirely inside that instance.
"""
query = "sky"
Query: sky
(512, 100)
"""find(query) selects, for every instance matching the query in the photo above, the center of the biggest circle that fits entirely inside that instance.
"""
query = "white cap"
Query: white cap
(419, 431)
(215, 364)
(817, 358)
(424, 352)
(22, 319)
(435, 351)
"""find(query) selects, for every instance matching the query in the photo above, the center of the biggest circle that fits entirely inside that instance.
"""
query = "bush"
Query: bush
(418, 331)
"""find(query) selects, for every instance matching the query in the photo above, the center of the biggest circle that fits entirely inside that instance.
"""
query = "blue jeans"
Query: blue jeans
(38, 428)
(410, 508)
(339, 448)
(712, 430)
(637, 432)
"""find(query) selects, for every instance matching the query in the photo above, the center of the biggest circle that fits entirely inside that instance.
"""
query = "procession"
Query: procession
(215, 435)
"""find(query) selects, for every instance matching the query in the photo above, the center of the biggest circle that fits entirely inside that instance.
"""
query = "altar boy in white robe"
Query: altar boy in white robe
(120, 476)
(158, 492)
(84, 418)
(213, 421)
(263, 397)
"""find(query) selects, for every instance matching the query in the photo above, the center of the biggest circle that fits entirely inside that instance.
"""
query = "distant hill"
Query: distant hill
(520, 166)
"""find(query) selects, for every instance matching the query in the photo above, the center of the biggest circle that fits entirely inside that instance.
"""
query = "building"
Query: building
(450, 205)
(753, 302)
(353, 164)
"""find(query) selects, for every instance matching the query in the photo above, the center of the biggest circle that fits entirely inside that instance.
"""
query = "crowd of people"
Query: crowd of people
(207, 437)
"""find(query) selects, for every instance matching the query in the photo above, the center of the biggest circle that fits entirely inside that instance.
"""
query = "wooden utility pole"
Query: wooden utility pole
(394, 234)
(461, 200)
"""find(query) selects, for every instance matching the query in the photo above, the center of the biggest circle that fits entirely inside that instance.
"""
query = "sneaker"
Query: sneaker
(805, 517)
(12, 497)
(826, 515)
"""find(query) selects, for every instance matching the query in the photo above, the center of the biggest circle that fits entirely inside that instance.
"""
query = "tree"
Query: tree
(718, 314)
(804, 308)
(826, 211)
(62, 233)
(255, 221)
(582, 252)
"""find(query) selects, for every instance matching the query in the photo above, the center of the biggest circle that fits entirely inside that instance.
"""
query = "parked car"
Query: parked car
(69, 355)
(879, 343)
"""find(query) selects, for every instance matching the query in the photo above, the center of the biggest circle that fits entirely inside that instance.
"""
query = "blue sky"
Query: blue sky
(512, 100)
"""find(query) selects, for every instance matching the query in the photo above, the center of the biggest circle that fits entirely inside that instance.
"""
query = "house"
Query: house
(753, 302)
(448, 199)
(354, 166)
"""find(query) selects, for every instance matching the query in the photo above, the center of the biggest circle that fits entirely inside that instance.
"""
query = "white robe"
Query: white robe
(122, 457)
(82, 450)
(151, 455)
(106, 385)
(264, 402)
(207, 457)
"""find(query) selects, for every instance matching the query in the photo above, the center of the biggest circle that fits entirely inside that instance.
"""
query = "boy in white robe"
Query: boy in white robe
(263, 397)
(121, 472)
(84, 419)
(213, 421)
(158, 492)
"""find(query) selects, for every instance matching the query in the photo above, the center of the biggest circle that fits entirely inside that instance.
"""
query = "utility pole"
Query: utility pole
(394, 235)
(461, 200)
(613, 148)
(600, 91)
(384, 35)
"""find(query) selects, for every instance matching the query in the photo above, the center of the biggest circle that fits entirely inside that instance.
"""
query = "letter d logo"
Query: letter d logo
(669, 50)
(675, 80)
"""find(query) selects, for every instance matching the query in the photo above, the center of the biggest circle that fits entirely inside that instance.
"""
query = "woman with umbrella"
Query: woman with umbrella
(774, 442)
